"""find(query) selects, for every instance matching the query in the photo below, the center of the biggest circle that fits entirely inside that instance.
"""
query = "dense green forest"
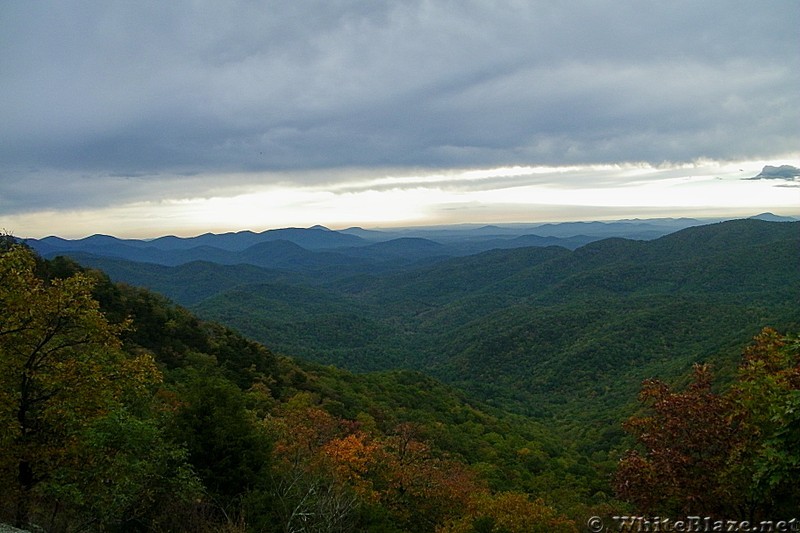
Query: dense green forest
(501, 392)
(125, 412)
(561, 335)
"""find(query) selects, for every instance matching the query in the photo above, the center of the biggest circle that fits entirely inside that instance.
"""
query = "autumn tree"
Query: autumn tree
(508, 512)
(332, 474)
(309, 488)
(686, 442)
(62, 370)
(729, 454)
(423, 488)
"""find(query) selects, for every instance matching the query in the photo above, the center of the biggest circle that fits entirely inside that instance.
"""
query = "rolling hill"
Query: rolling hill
(545, 331)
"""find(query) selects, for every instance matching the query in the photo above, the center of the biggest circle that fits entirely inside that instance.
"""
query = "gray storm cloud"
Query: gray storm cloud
(106, 101)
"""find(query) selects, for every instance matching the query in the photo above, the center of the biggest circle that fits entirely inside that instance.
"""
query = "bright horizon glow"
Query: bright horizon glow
(391, 114)
(514, 194)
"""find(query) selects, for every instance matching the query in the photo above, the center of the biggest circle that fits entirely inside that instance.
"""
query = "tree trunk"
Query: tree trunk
(24, 484)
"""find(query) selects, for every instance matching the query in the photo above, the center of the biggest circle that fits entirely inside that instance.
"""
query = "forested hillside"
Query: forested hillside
(124, 412)
(501, 397)
(540, 330)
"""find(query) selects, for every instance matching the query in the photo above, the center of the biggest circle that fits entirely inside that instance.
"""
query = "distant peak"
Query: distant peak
(772, 217)
(319, 227)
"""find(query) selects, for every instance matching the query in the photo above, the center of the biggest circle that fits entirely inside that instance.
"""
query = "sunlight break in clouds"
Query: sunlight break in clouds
(504, 194)
(142, 118)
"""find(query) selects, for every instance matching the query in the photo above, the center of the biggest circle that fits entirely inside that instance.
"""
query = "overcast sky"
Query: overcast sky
(144, 118)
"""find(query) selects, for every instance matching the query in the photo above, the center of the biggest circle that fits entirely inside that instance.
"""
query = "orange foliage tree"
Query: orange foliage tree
(342, 472)
(508, 512)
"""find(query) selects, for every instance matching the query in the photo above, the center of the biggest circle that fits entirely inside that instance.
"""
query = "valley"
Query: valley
(563, 332)
(406, 384)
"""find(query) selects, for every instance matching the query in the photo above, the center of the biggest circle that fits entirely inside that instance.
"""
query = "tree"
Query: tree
(314, 461)
(687, 442)
(228, 449)
(61, 370)
(330, 474)
(733, 454)
(766, 397)
(424, 490)
(508, 512)
(125, 474)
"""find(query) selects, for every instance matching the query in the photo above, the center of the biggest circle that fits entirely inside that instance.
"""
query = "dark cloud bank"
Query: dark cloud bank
(161, 93)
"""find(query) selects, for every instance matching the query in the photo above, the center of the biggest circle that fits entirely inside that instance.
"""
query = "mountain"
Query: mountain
(587, 327)
(629, 229)
(324, 250)
(517, 364)
(770, 217)
(546, 331)
(475, 246)
(407, 249)
(164, 249)
(225, 241)
(368, 234)
(188, 283)
(314, 238)
(213, 425)
(286, 255)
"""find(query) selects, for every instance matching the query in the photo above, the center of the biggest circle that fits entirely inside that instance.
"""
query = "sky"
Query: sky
(147, 118)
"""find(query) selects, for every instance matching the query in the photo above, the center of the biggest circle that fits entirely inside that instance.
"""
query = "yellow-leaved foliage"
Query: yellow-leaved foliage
(61, 368)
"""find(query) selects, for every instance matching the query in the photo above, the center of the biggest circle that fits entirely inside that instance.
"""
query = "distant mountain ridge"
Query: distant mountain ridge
(531, 341)
(319, 247)
(314, 238)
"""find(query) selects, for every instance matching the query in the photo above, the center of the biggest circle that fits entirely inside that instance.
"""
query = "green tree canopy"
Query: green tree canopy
(62, 374)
